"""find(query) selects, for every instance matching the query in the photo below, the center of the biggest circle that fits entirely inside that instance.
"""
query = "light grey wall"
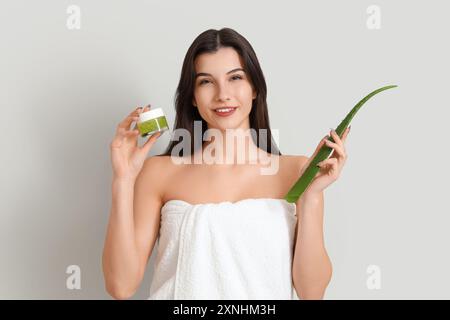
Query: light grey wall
(63, 92)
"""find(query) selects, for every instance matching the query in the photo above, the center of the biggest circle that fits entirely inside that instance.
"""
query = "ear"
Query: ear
(194, 103)
(254, 94)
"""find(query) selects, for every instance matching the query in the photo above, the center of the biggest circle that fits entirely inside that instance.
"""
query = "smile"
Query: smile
(224, 112)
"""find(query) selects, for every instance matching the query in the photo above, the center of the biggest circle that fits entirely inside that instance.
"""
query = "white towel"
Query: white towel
(226, 250)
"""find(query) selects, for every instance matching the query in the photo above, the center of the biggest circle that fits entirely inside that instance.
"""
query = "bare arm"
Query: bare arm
(311, 268)
(136, 203)
(132, 230)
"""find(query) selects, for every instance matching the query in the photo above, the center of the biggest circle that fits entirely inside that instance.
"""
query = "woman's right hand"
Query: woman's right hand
(126, 156)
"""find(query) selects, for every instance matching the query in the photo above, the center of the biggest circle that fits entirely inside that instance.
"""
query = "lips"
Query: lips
(225, 111)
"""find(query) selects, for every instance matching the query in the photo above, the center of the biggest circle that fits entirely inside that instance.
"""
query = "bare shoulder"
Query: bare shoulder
(155, 172)
(155, 163)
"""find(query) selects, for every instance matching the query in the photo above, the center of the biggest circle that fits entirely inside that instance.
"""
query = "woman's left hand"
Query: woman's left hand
(330, 169)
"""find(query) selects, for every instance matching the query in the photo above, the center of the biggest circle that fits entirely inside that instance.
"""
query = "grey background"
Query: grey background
(64, 91)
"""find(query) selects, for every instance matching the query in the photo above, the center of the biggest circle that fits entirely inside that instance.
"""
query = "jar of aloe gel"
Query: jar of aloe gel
(152, 121)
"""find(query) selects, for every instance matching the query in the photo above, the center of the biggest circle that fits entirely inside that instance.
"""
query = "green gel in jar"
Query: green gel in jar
(152, 121)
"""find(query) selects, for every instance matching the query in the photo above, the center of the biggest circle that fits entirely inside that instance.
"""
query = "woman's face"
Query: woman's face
(222, 82)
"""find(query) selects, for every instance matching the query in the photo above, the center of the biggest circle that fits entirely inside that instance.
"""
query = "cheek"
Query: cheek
(203, 95)
(245, 94)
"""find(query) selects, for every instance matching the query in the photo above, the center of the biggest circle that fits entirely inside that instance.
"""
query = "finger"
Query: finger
(337, 149)
(141, 109)
(331, 165)
(149, 143)
(133, 116)
(136, 112)
(345, 134)
(120, 133)
(337, 139)
(116, 143)
(327, 162)
(132, 134)
(319, 146)
(125, 134)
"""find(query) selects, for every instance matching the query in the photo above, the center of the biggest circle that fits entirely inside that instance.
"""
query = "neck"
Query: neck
(230, 147)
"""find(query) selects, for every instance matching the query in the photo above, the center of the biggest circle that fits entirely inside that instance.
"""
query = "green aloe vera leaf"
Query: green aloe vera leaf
(308, 175)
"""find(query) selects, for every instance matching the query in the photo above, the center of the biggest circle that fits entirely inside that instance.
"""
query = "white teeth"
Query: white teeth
(224, 110)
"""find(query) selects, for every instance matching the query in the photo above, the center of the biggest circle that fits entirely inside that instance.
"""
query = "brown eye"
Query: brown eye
(203, 82)
(236, 78)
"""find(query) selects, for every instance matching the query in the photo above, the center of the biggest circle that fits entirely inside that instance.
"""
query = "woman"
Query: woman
(224, 229)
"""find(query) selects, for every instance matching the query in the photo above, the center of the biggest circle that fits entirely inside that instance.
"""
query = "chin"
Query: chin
(231, 125)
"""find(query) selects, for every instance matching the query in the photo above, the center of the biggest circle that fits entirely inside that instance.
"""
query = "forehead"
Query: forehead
(221, 61)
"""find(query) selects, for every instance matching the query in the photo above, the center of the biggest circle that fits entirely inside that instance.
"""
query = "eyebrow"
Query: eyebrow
(207, 74)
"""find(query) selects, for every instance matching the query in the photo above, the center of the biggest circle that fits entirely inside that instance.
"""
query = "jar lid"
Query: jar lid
(151, 114)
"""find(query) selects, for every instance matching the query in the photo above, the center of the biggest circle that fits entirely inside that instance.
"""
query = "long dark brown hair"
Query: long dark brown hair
(211, 41)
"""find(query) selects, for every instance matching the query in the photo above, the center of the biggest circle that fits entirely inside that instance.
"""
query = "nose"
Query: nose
(223, 92)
